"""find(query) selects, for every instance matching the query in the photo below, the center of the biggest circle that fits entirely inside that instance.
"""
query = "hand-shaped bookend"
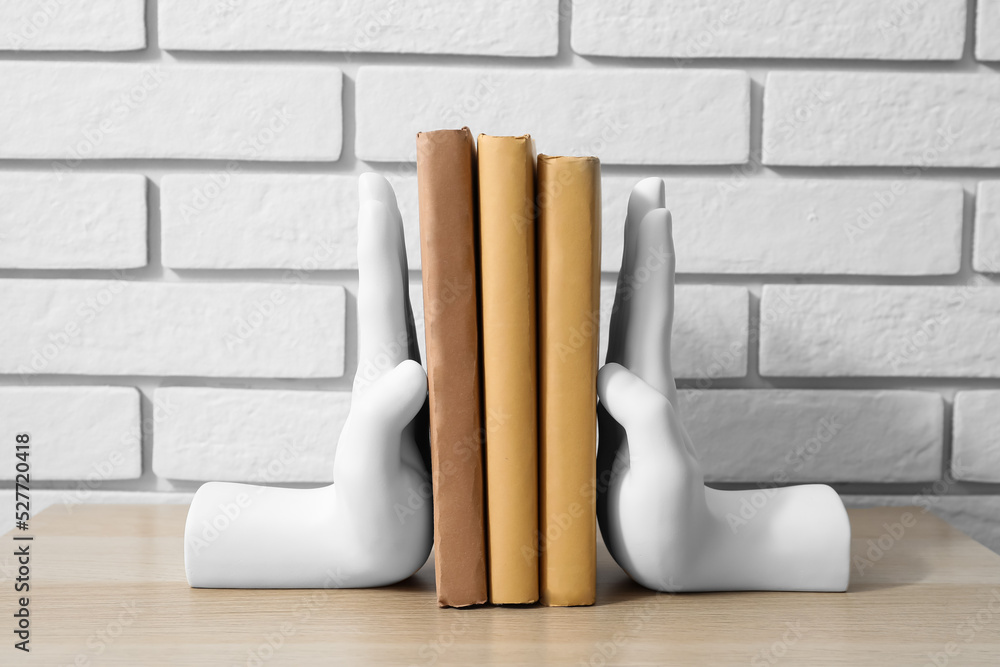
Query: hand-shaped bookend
(352, 533)
(660, 522)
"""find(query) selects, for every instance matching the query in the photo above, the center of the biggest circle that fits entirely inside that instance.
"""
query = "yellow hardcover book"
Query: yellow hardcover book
(507, 256)
(569, 251)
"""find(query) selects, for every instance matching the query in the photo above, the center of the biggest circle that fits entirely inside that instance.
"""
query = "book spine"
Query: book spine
(569, 237)
(510, 397)
(446, 183)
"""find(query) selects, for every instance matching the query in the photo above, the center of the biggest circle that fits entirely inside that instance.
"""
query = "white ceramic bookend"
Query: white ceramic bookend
(660, 522)
(373, 525)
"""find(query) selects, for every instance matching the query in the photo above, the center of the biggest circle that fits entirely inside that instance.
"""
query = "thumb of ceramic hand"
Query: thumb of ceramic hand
(655, 497)
(655, 453)
(377, 452)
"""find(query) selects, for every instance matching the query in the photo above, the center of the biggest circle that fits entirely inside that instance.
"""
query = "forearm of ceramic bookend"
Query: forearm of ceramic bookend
(794, 538)
(246, 536)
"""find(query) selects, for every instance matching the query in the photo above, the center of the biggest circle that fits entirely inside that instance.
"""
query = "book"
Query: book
(446, 185)
(569, 250)
(510, 397)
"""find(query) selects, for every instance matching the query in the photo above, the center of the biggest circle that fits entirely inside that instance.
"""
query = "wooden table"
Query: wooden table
(108, 588)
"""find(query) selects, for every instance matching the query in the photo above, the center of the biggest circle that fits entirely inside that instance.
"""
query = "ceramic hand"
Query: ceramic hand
(373, 526)
(659, 521)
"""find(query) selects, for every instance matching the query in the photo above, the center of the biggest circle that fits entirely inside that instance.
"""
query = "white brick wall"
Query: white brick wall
(76, 111)
(783, 436)
(873, 331)
(180, 219)
(474, 27)
(986, 246)
(72, 221)
(988, 30)
(58, 25)
(975, 452)
(97, 434)
(875, 227)
(270, 221)
(881, 119)
(122, 327)
(689, 29)
(248, 434)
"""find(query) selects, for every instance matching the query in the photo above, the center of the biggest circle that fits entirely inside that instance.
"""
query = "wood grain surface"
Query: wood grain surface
(108, 588)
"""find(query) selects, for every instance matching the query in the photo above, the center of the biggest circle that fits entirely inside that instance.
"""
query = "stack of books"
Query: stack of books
(510, 248)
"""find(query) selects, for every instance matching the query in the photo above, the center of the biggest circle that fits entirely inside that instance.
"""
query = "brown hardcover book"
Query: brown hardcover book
(569, 238)
(510, 396)
(446, 182)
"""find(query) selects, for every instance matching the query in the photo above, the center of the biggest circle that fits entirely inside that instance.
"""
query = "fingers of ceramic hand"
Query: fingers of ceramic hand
(647, 195)
(383, 298)
(649, 420)
(646, 346)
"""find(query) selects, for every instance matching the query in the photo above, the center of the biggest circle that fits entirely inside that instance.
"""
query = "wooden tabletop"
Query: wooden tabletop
(108, 588)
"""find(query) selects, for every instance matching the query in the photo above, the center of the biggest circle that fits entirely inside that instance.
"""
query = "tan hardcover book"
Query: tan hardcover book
(510, 396)
(569, 240)
(446, 183)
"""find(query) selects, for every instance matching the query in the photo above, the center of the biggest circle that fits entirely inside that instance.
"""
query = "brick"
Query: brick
(987, 30)
(72, 221)
(975, 449)
(225, 220)
(986, 244)
(779, 436)
(873, 227)
(881, 119)
(120, 327)
(891, 331)
(625, 116)
(82, 111)
(710, 330)
(97, 435)
(473, 27)
(97, 25)
(770, 29)
(248, 435)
